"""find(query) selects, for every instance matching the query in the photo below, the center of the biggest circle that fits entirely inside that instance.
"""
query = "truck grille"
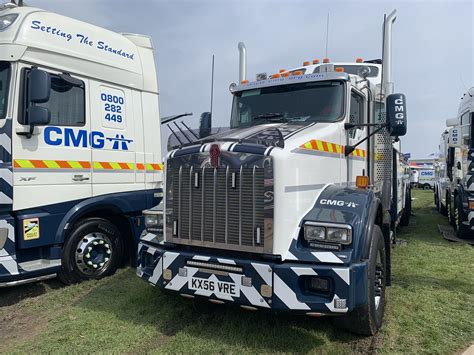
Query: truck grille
(221, 207)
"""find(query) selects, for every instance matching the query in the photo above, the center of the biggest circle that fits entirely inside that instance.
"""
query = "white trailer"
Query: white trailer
(294, 209)
(79, 145)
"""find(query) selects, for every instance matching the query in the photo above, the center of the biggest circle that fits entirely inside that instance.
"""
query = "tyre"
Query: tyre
(461, 230)
(436, 200)
(426, 187)
(405, 220)
(449, 211)
(93, 250)
(367, 319)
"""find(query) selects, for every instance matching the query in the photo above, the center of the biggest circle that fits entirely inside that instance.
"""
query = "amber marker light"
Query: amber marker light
(362, 182)
(244, 82)
(339, 69)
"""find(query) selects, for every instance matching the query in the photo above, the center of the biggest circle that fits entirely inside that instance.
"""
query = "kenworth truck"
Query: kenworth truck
(454, 190)
(293, 208)
(79, 146)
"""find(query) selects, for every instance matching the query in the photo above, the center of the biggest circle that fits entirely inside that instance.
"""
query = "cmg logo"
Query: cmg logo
(56, 136)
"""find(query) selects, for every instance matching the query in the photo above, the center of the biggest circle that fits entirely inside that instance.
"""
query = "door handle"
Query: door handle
(79, 178)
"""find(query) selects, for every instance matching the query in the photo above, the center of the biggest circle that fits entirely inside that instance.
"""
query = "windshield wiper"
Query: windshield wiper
(268, 116)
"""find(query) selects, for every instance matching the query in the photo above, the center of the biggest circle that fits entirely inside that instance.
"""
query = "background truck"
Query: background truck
(295, 207)
(423, 178)
(80, 148)
(454, 190)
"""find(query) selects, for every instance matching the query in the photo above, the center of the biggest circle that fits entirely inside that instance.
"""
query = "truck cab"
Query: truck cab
(294, 207)
(79, 155)
(455, 191)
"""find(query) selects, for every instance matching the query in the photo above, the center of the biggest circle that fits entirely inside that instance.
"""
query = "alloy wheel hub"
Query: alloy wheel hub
(93, 253)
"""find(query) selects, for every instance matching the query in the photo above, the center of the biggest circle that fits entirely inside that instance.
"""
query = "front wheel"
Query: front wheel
(367, 319)
(450, 212)
(93, 250)
(461, 230)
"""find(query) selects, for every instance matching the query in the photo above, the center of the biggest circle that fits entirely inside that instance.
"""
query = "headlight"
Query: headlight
(314, 233)
(7, 20)
(154, 221)
(328, 232)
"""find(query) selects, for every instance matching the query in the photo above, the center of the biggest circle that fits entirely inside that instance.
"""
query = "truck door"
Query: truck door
(54, 164)
(113, 149)
(356, 162)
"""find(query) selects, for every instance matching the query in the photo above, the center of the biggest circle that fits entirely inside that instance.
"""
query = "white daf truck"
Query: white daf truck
(454, 190)
(293, 209)
(79, 145)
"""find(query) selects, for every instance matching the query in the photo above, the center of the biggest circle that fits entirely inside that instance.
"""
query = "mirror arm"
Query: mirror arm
(350, 148)
(28, 134)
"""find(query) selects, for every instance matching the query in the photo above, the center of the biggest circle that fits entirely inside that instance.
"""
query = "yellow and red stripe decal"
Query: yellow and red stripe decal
(77, 165)
(328, 147)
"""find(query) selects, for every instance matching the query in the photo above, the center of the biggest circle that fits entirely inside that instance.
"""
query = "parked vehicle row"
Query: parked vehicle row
(454, 187)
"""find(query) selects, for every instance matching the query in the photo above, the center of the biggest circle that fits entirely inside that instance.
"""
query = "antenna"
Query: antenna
(212, 83)
(327, 35)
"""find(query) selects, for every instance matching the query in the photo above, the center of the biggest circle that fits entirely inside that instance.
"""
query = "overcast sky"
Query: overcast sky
(432, 45)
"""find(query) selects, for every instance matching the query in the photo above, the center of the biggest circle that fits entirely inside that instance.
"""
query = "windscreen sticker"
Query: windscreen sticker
(31, 229)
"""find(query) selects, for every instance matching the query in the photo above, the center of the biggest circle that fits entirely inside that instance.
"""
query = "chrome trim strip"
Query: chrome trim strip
(226, 204)
(203, 184)
(190, 201)
(253, 205)
(180, 179)
(26, 281)
(240, 204)
(214, 188)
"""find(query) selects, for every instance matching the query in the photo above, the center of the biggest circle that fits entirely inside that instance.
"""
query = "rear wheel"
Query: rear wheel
(449, 212)
(405, 220)
(93, 250)
(426, 187)
(367, 319)
(461, 230)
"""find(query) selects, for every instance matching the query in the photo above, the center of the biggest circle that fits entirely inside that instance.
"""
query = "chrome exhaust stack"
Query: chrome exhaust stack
(387, 84)
(242, 61)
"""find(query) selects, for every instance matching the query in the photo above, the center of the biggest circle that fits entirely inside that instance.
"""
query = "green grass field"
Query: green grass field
(430, 309)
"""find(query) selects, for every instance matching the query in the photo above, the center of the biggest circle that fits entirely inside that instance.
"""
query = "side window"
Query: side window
(356, 113)
(66, 101)
(465, 128)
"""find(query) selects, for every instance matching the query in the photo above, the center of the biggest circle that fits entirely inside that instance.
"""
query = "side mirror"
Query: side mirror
(396, 115)
(205, 124)
(40, 86)
(38, 116)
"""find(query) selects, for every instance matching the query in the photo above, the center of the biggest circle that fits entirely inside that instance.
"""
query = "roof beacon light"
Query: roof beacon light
(305, 63)
(315, 61)
(275, 76)
(297, 72)
(362, 182)
(243, 82)
(326, 60)
(359, 60)
(285, 74)
(282, 70)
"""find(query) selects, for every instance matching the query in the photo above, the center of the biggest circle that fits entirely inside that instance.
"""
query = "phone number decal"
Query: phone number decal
(113, 110)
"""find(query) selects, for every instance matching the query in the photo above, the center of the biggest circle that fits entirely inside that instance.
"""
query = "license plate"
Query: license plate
(215, 286)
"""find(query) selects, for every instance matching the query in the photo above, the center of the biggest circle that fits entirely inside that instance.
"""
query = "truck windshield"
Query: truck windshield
(306, 102)
(4, 84)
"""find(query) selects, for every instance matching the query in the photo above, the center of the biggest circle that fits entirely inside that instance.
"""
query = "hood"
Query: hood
(268, 135)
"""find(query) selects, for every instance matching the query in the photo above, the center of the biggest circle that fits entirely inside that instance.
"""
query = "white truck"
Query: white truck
(79, 146)
(454, 190)
(423, 178)
(292, 209)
